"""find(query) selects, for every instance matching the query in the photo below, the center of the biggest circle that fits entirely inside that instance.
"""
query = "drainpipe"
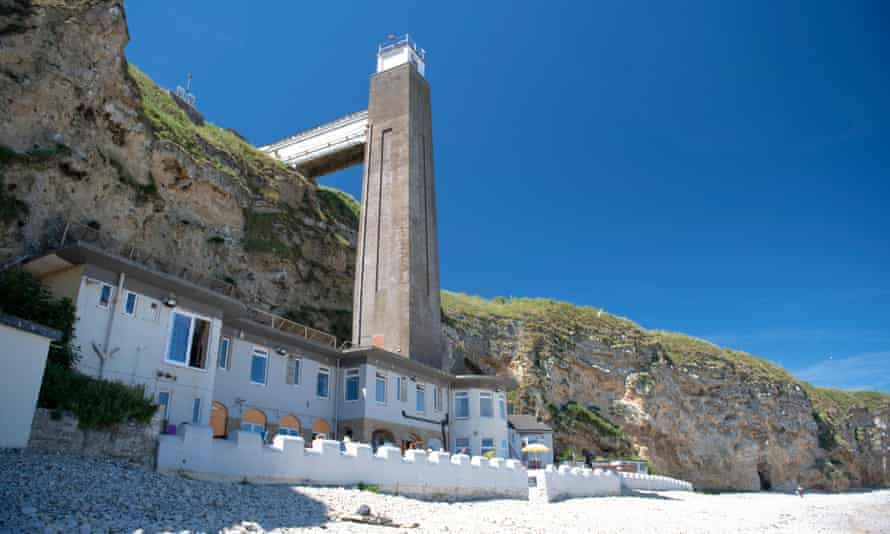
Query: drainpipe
(115, 304)
(336, 400)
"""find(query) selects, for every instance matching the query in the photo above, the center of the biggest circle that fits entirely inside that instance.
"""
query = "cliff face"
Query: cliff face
(717, 417)
(85, 138)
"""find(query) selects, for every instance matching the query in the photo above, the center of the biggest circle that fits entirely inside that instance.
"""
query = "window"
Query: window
(164, 403)
(462, 446)
(421, 398)
(294, 368)
(402, 388)
(253, 427)
(321, 383)
(189, 337)
(196, 411)
(461, 405)
(352, 385)
(105, 293)
(503, 448)
(502, 407)
(380, 388)
(130, 303)
(258, 366)
(486, 408)
(437, 398)
(223, 359)
(488, 448)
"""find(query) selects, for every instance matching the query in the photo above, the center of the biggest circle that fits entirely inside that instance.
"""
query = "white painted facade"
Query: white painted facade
(275, 396)
(244, 456)
(23, 359)
(552, 484)
(474, 431)
(139, 336)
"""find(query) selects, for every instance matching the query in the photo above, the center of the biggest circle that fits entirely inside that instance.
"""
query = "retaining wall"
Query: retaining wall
(135, 442)
(565, 482)
(637, 481)
(244, 457)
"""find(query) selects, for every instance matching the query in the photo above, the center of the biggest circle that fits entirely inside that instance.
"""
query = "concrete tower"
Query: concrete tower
(396, 300)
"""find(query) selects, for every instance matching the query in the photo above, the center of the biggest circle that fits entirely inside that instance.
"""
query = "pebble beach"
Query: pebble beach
(62, 493)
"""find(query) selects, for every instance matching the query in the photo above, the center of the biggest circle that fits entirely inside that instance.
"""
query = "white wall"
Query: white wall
(477, 427)
(23, 359)
(276, 398)
(142, 341)
(243, 456)
(391, 409)
(565, 482)
(639, 481)
(554, 484)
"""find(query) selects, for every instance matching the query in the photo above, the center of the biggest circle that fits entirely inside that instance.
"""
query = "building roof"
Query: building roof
(527, 423)
(32, 328)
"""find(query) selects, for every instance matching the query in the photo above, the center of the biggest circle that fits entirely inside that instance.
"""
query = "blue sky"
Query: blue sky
(716, 168)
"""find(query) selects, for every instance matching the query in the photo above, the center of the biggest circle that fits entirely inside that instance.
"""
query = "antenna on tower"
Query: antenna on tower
(186, 94)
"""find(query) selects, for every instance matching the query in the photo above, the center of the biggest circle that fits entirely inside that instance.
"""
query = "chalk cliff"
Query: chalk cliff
(86, 138)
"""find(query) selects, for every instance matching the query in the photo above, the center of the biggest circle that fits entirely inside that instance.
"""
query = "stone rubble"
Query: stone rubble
(48, 492)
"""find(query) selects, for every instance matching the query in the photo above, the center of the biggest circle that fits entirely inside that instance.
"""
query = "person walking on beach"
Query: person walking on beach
(800, 491)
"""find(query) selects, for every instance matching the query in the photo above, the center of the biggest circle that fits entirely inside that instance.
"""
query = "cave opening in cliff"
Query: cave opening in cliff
(763, 474)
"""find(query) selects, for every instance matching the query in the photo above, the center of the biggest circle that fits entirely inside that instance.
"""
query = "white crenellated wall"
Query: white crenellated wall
(565, 482)
(639, 481)
(418, 474)
(554, 484)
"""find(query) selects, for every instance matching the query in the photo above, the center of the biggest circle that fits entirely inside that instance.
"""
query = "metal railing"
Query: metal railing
(72, 233)
(396, 42)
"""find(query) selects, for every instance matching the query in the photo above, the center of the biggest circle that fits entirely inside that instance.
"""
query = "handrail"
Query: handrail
(74, 232)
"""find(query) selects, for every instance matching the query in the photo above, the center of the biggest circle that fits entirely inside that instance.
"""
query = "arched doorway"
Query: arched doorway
(380, 438)
(289, 425)
(411, 441)
(321, 428)
(219, 415)
(254, 421)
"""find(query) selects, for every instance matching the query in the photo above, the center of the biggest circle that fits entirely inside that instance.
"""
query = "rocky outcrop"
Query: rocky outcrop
(86, 138)
(716, 417)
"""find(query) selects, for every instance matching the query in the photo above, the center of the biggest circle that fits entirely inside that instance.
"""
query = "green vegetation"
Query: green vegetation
(23, 296)
(260, 234)
(96, 403)
(687, 351)
(570, 414)
(344, 207)
(368, 487)
(207, 143)
(11, 208)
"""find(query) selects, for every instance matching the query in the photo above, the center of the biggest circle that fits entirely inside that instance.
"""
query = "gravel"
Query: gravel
(61, 493)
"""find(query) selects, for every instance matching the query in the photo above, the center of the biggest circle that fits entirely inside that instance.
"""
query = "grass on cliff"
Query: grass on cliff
(170, 123)
(341, 204)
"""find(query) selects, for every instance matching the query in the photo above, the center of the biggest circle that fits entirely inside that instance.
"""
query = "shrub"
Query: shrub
(23, 296)
(95, 402)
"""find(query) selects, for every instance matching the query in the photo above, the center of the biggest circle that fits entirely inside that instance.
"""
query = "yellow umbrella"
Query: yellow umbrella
(535, 447)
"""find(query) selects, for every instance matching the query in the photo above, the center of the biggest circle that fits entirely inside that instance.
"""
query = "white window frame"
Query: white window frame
(298, 368)
(193, 316)
(483, 449)
(265, 352)
(251, 427)
(378, 377)
(350, 373)
(323, 371)
(461, 395)
(437, 398)
(135, 303)
(103, 285)
(418, 388)
(502, 407)
(224, 357)
(486, 395)
(169, 394)
(196, 411)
